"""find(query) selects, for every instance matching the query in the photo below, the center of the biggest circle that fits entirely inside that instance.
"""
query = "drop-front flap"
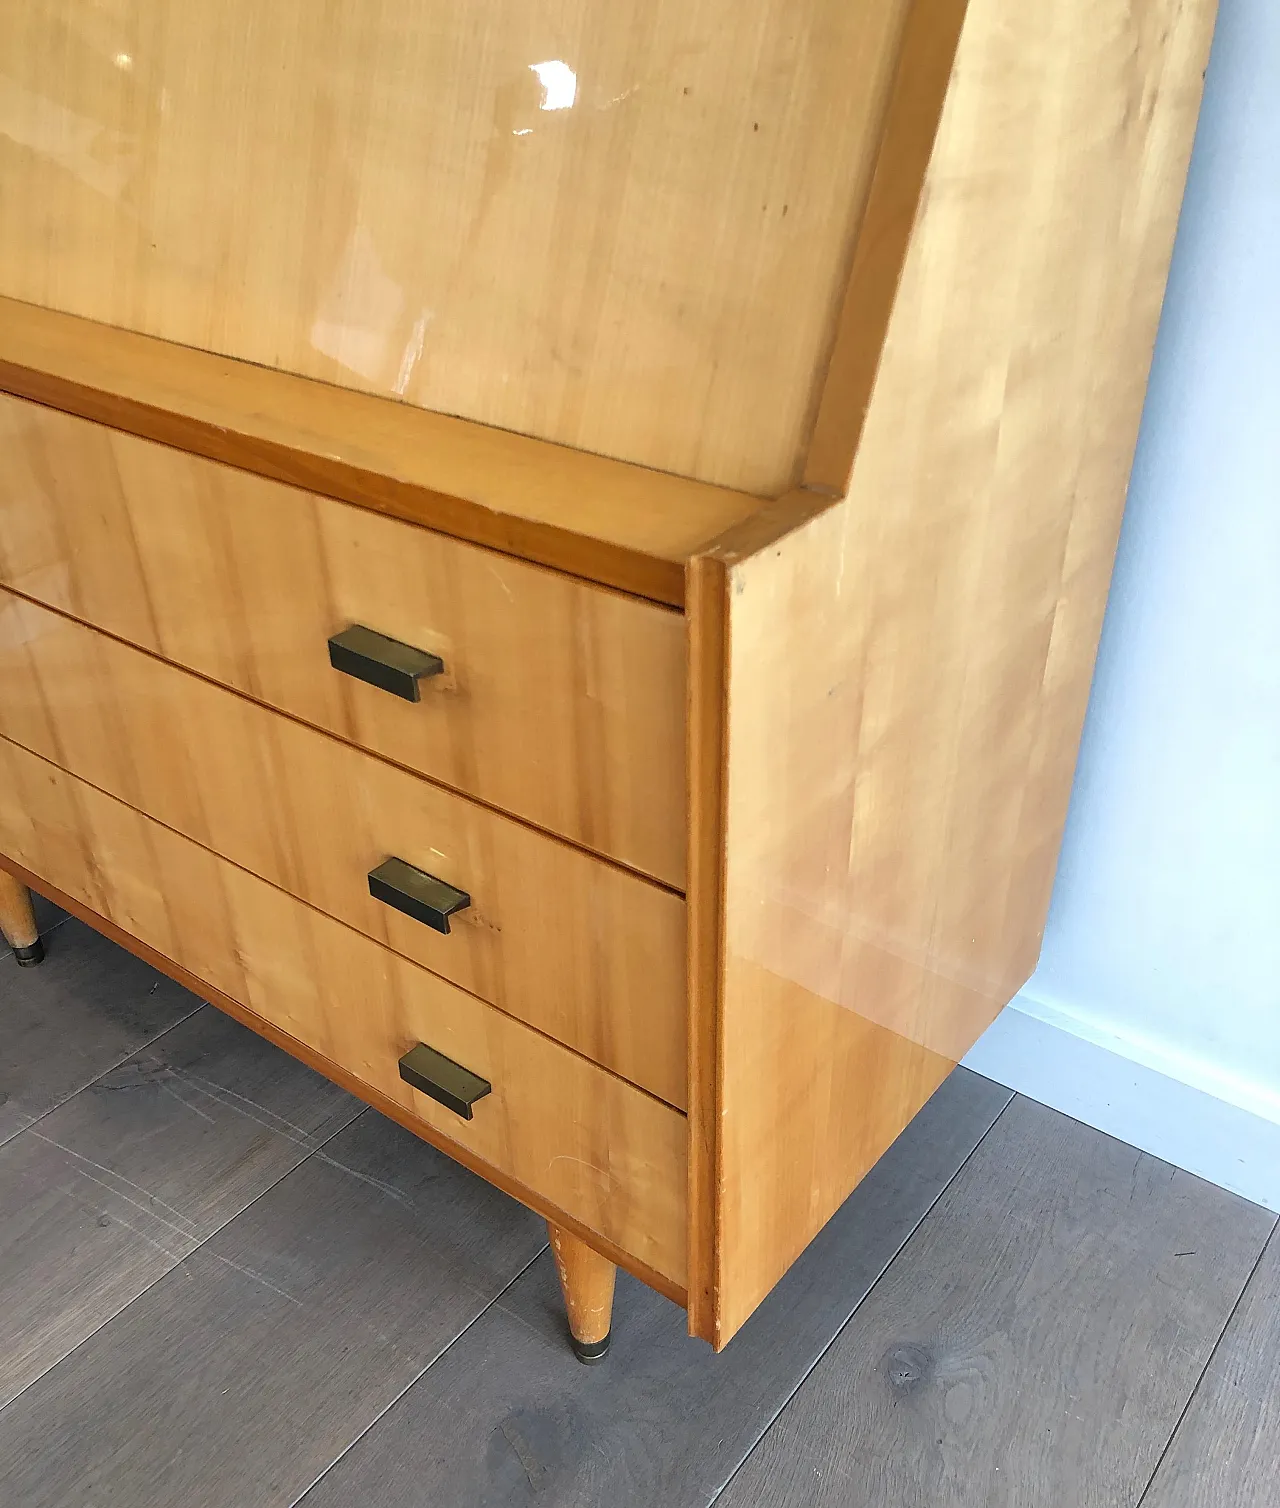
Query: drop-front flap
(624, 225)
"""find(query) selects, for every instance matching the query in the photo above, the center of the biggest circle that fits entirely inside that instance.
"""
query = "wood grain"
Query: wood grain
(908, 671)
(560, 702)
(121, 1182)
(587, 1282)
(1034, 1343)
(17, 919)
(107, 931)
(241, 1375)
(86, 1009)
(620, 525)
(591, 954)
(664, 1421)
(1226, 1452)
(682, 245)
(609, 1155)
(930, 37)
(47, 916)
(705, 611)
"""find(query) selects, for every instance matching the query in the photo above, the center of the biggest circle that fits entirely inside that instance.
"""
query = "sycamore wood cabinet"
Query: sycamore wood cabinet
(551, 556)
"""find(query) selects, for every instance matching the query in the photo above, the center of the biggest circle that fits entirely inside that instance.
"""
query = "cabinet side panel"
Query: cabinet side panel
(908, 672)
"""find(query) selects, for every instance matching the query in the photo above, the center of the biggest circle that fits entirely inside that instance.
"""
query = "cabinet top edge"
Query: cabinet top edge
(606, 521)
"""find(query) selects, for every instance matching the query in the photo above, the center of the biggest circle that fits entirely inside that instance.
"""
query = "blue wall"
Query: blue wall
(1163, 943)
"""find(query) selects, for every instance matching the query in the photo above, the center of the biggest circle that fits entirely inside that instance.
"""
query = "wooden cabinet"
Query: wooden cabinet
(557, 700)
(585, 951)
(741, 439)
(569, 1136)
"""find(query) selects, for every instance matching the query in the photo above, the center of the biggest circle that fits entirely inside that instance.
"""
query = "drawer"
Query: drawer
(587, 952)
(587, 1142)
(558, 701)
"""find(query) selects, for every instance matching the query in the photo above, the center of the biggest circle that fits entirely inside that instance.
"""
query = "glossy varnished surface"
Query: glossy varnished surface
(582, 1139)
(560, 702)
(605, 521)
(907, 674)
(587, 952)
(625, 228)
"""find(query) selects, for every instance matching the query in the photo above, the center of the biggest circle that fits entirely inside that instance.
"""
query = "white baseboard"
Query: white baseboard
(1067, 1063)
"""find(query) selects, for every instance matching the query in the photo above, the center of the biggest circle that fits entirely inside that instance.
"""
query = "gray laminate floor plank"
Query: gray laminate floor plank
(1226, 1451)
(1034, 1343)
(127, 1177)
(507, 1416)
(87, 1007)
(246, 1370)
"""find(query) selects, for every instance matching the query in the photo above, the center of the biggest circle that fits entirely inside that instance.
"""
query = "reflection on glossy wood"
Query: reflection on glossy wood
(560, 702)
(590, 954)
(17, 920)
(605, 521)
(611, 1156)
(929, 41)
(908, 671)
(683, 185)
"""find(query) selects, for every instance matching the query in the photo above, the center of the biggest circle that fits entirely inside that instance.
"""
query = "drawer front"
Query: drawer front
(587, 952)
(604, 1152)
(558, 701)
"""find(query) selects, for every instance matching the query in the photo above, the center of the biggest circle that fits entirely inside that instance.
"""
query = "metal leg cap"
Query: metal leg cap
(589, 1352)
(29, 957)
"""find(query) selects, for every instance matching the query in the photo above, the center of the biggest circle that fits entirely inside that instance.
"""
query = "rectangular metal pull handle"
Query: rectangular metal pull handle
(416, 893)
(447, 1082)
(382, 662)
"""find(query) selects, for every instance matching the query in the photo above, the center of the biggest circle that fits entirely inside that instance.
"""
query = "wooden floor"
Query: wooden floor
(224, 1283)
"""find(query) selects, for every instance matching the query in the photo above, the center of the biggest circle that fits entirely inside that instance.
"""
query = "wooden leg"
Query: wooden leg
(18, 922)
(587, 1281)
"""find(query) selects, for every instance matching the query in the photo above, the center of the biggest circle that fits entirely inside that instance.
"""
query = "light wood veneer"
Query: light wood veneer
(17, 919)
(888, 653)
(584, 951)
(560, 702)
(622, 526)
(606, 225)
(906, 675)
(609, 1155)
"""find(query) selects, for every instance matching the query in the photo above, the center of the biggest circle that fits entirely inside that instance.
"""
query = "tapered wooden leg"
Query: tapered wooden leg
(18, 922)
(587, 1281)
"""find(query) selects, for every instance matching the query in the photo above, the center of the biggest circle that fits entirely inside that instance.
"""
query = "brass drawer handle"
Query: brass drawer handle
(382, 662)
(447, 1082)
(416, 893)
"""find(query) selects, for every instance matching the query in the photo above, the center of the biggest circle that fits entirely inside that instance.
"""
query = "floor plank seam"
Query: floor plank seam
(871, 1287)
(124, 1308)
(201, 1005)
(1208, 1362)
(299, 1501)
